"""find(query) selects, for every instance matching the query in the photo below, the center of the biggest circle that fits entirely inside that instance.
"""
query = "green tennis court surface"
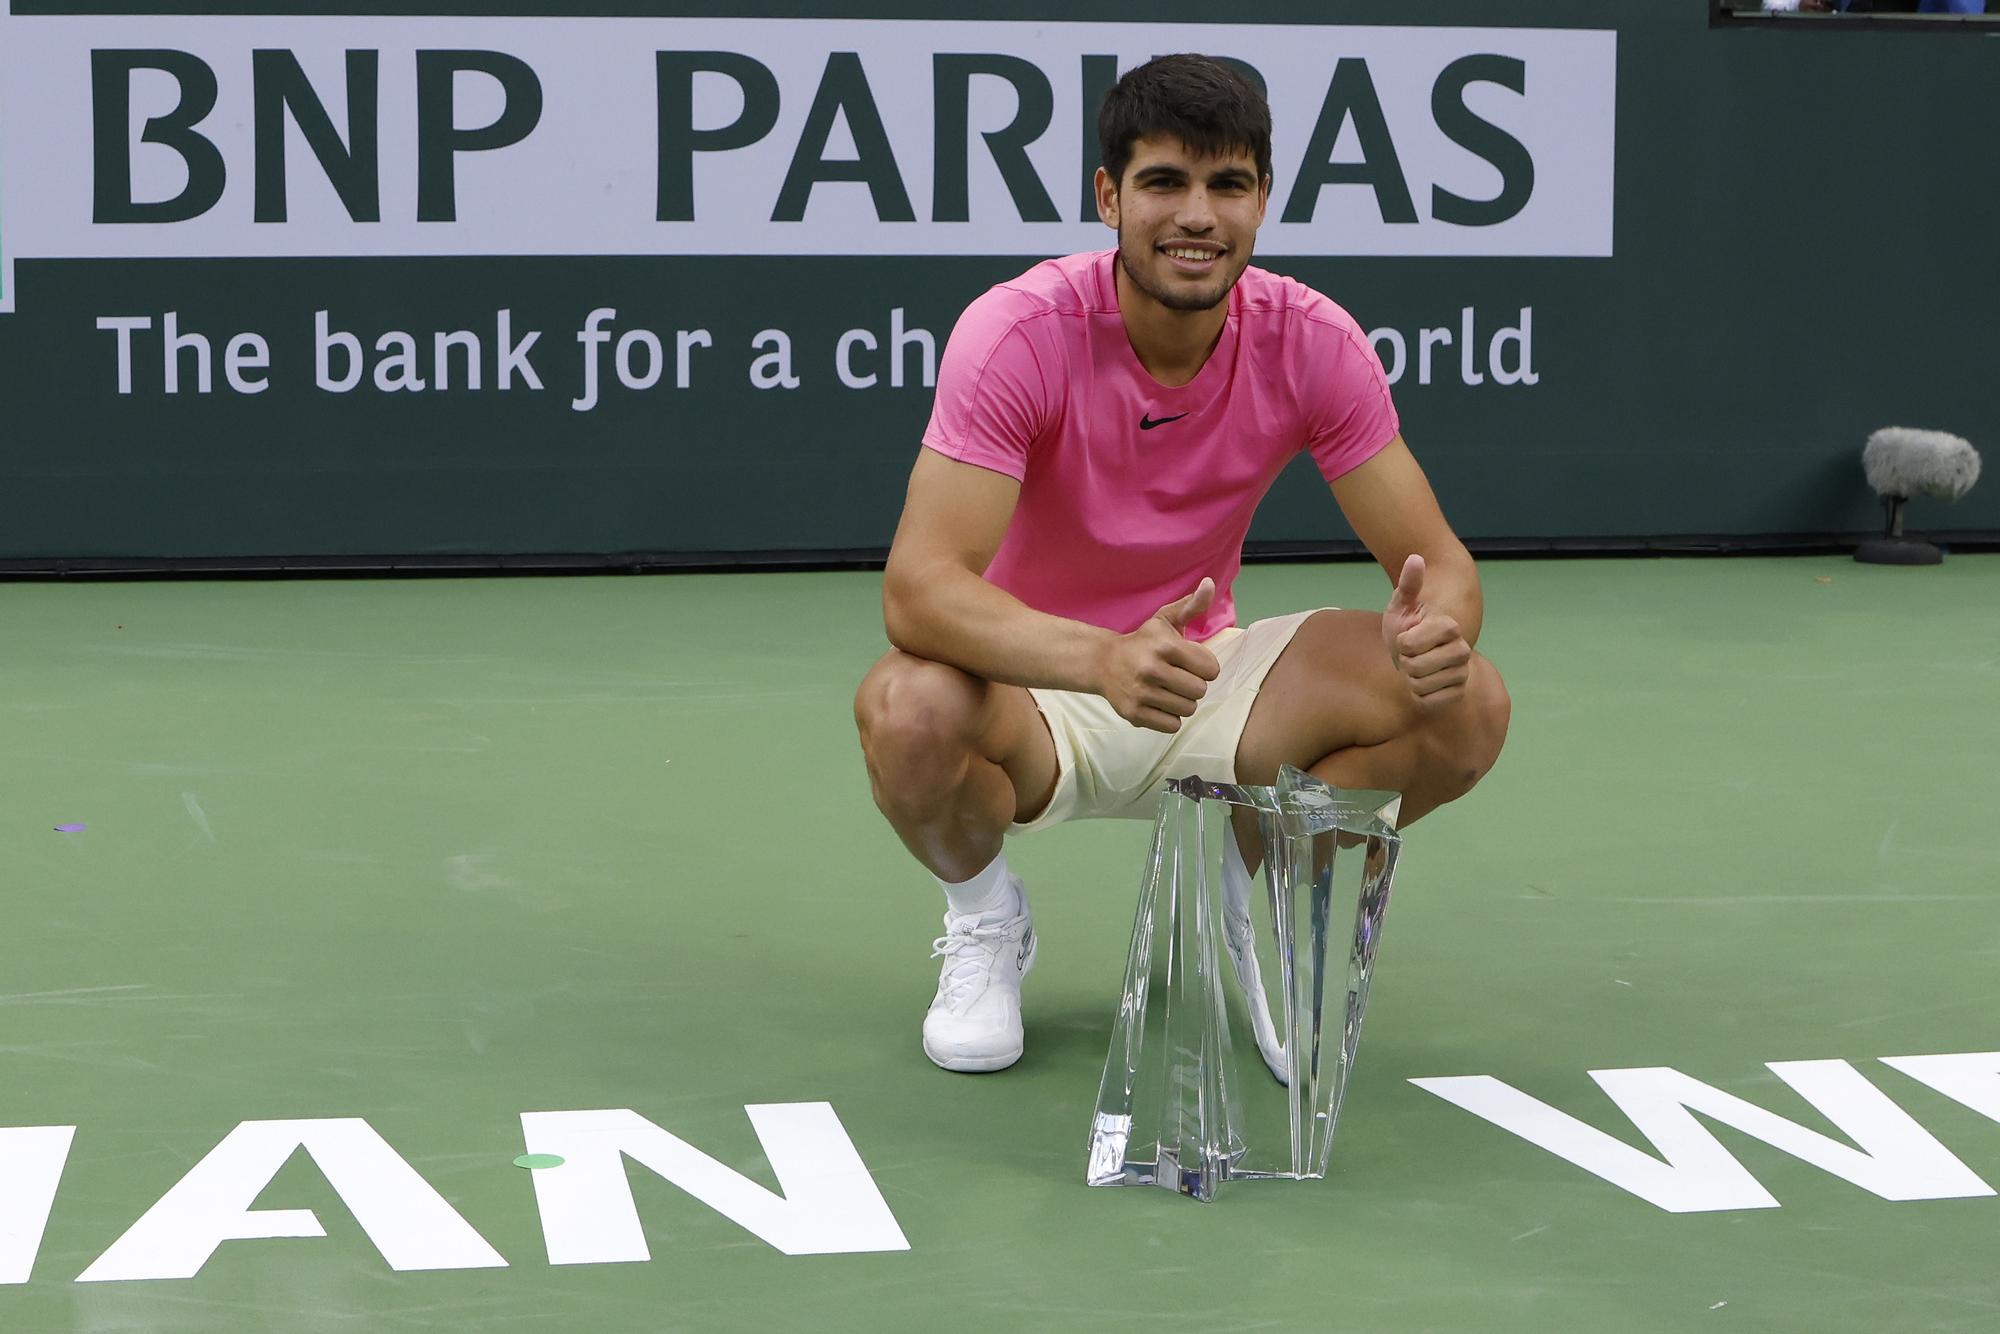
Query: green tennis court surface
(434, 854)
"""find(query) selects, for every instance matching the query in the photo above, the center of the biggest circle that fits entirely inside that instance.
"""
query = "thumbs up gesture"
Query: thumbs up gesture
(1155, 676)
(1427, 646)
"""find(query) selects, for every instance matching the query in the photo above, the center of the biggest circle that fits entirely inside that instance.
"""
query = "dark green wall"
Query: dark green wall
(1804, 253)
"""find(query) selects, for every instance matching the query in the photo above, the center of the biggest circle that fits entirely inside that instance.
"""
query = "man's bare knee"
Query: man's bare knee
(919, 721)
(1475, 748)
(1496, 711)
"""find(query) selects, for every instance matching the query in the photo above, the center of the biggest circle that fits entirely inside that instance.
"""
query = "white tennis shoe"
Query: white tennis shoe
(974, 1022)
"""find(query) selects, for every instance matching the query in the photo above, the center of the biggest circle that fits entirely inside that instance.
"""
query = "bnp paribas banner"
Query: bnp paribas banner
(334, 285)
(154, 137)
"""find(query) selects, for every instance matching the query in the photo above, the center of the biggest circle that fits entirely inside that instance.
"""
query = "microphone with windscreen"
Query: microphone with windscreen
(1902, 462)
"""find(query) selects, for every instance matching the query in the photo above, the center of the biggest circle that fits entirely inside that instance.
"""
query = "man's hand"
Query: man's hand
(1427, 646)
(1154, 676)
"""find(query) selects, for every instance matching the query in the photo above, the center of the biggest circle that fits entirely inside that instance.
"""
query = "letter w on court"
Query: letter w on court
(1897, 1159)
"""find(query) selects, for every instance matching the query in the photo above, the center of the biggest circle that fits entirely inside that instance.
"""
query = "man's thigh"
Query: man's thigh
(1111, 769)
(1334, 688)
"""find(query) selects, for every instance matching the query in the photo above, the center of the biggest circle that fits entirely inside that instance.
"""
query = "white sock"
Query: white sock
(989, 894)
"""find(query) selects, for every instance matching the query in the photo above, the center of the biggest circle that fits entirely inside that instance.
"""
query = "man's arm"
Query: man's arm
(937, 605)
(1433, 617)
(1392, 509)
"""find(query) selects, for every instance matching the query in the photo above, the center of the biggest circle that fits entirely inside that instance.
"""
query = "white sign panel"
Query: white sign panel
(135, 136)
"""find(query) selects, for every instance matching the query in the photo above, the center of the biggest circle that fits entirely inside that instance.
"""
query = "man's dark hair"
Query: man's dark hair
(1198, 100)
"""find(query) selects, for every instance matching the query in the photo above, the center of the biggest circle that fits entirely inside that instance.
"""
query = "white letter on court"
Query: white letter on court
(409, 1222)
(31, 1166)
(1972, 1078)
(830, 1204)
(1898, 1159)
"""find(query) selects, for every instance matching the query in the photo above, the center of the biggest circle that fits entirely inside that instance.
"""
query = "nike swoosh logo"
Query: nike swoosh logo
(1027, 943)
(1148, 423)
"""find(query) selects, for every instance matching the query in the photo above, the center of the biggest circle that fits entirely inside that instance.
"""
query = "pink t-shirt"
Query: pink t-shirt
(1132, 491)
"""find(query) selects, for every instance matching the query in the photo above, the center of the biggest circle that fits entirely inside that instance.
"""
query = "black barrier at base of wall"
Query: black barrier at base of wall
(753, 562)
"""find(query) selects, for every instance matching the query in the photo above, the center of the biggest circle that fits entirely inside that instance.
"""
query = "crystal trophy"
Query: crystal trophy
(1245, 987)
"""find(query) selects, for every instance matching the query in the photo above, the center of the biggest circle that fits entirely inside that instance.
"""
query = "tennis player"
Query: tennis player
(1058, 592)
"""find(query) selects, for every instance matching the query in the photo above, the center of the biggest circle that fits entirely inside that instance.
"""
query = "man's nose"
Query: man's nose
(1195, 213)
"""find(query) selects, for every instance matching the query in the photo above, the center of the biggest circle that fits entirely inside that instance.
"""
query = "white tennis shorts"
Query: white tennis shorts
(1111, 769)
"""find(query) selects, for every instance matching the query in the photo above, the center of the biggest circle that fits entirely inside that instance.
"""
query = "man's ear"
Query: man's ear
(1263, 198)
(1107, 198)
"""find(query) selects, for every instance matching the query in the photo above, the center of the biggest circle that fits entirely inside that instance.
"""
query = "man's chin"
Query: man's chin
(1174, 292)
(1189, 297)
(1193, 301)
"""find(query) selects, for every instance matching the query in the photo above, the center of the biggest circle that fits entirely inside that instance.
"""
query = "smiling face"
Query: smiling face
(1186, 223)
